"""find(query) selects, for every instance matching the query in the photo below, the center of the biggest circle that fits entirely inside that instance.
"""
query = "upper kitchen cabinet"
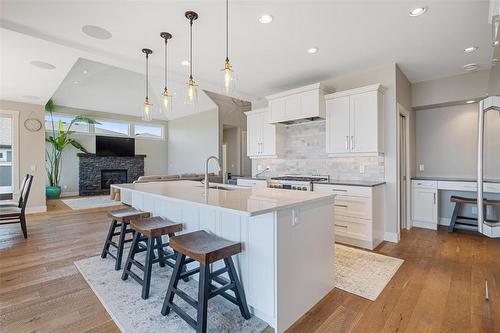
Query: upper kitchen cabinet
(355, 122)
(264, 140)
(296, 104)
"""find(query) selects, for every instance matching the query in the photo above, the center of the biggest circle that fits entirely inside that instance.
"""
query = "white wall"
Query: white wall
(31, 151)
(191, 140)
(447, 139)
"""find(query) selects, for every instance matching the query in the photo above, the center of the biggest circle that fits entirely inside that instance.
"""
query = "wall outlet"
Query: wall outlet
(65, 187)
(33, 167)
(421, 167)
(361, 168)
(474, 210)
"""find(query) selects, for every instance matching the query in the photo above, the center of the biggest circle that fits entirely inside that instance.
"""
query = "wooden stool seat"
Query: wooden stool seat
(204, 247)
(150, 231)
(155, 226)
(462, 200)
(128, 214)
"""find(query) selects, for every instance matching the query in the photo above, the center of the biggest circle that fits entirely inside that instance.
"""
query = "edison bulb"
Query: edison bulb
(147, 112)
(228, 78)
(166, 100)
(191, 97)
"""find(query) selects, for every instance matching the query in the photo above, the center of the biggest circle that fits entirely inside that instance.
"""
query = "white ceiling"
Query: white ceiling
(351, 36)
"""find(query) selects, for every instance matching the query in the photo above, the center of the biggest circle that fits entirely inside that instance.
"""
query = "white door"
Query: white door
(337, 120)
(402, 171)
(268, 143)
(424, 205)
(363, 123)
(9, 154)
(254, 123)
(277, 110)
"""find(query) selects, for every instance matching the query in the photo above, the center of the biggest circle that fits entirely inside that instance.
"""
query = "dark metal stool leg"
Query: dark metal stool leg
(238, 288)
(109, 238)
(454, 216)
(131, 255)
(22, 220)
(147, 267)
(174, 279)
(121, 243)
(203, 290)
(159, 250)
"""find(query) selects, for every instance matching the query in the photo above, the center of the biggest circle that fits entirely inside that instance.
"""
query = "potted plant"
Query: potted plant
(56, 143)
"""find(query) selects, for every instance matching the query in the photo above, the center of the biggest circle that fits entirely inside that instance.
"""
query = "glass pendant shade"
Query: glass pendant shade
(147, 113)
(229, 79)
(166, 101)
(191, 97)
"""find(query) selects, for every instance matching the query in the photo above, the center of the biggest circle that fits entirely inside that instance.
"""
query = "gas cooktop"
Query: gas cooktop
(300, 178)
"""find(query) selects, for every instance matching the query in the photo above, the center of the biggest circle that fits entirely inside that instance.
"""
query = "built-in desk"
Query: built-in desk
(425, 196)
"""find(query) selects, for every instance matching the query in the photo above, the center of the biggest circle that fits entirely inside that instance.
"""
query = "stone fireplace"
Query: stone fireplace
(97, 173)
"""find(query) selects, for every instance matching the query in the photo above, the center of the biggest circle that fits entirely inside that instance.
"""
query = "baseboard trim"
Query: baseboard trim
(391, 237)
(425, 225)
(444, 221)
(36, 209)
(69, 194)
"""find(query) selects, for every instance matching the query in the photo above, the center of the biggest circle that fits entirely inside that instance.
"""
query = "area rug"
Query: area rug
(363, 273)
(122, 300)
(90, 202)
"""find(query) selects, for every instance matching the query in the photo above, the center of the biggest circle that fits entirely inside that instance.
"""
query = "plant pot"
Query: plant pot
(52, 192)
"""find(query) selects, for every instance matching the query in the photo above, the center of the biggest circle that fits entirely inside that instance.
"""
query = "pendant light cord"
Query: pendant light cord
(191, 49)
(147, 76)
(227, 30)
(165, 74)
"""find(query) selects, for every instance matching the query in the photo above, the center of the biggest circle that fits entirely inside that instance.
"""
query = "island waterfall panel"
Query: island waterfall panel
(288, 260)
(98, 173)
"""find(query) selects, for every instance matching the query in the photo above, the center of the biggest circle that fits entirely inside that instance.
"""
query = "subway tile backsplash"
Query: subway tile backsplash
(305, 153)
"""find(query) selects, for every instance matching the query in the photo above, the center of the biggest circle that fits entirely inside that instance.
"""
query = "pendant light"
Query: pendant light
(165, 96)
(147, 113)
(228, 71)
(191, 97)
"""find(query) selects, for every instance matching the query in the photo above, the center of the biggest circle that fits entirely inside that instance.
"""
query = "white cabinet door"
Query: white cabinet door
(337, 127)
(254, 134)
(277, 110)
(363, 122)
(424, 205)
(309, 104)
(268, 145)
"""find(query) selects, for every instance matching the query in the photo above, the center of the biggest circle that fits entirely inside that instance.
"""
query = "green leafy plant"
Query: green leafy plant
(58, 141)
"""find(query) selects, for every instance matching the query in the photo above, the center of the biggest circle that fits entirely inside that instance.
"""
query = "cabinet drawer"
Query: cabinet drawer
(251, 182)
(358, 207)
(358, 191)
(354, 228)
(457, 186)
(424, 183)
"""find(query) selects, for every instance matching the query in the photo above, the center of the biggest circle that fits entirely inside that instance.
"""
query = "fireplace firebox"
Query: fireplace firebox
(109, 177)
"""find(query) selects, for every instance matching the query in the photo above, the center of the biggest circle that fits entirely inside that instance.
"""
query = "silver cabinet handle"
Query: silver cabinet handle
(347, 142)
(340, 225)
(434, 198)
(336, 205)
(352, 142)
(339, 190)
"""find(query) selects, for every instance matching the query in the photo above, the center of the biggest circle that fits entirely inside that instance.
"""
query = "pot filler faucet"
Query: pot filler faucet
(206, 169)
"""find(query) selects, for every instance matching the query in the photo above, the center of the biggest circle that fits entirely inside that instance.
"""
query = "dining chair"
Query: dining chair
(13, 203)
(9, 214)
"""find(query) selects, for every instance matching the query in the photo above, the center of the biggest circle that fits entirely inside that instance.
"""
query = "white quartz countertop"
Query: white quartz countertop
(249, 201)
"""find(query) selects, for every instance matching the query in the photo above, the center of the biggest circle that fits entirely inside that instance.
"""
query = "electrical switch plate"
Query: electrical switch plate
(361, 168)
(421, 167)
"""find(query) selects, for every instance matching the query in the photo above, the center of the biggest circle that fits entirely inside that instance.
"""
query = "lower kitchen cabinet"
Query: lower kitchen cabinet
(358, 214)
(424, 207)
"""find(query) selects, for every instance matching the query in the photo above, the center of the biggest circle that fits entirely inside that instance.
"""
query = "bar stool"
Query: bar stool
(204, 248)
(467, 221)
(150, 231)
(120, 219)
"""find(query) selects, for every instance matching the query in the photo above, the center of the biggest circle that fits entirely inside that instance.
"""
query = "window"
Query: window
(113, 128)
(148, 131)
(66, 120)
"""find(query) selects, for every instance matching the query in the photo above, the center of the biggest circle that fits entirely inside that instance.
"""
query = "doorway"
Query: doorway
(9, 154)
(403, 169)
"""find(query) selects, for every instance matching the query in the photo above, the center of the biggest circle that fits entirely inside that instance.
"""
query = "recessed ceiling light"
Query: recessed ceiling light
(495, 43)
(75, 82)
(470, 49)
(41, 64)
(313, 50)
(265, 19)
(470, 102)
(96, 32)
(185, 63)
(494, 62)
(471, 67)
(30, 97)
(417, 11)
(85, 71)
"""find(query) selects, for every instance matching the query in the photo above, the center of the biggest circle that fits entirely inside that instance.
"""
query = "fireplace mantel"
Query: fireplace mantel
(92, 165)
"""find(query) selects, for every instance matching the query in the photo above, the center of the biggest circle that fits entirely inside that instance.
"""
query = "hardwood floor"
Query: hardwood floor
(439, 288)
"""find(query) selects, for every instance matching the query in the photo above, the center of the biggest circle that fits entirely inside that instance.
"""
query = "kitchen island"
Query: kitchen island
(288, 260)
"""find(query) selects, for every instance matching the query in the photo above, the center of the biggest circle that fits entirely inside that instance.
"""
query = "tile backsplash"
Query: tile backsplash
(305, 153)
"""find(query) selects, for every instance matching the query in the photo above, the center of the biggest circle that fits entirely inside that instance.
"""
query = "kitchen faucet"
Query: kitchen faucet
(260, 173)
(206, 169)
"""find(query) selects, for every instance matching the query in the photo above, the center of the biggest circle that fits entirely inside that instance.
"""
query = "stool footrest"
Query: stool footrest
(191, 301)
(186, 274)
(219, 272)
(220, 290)
(138, 264)
(135, 277)
(191, 322)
